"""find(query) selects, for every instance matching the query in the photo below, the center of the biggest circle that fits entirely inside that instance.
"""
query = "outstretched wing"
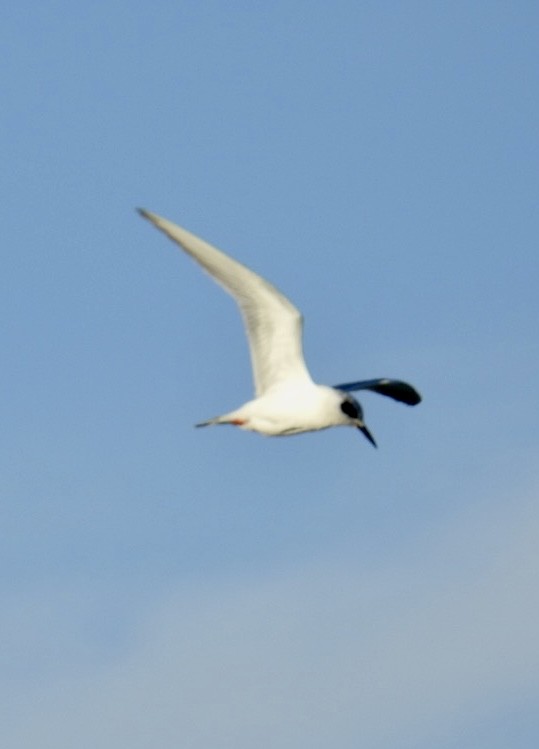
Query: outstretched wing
(396, 389)
(274, 325)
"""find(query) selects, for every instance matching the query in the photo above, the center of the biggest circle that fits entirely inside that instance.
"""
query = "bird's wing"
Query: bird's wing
(274, 325)
(396, 389)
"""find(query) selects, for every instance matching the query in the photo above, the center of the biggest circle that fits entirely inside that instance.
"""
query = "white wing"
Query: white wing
(274, 325)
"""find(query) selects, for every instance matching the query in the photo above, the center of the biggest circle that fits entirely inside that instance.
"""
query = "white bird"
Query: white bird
(287, 400)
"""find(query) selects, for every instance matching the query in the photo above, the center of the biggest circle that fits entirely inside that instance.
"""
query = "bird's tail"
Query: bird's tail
(210, 422)
(225, 419)
(233, 417)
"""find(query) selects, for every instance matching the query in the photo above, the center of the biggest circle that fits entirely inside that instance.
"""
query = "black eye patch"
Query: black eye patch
(350, 409)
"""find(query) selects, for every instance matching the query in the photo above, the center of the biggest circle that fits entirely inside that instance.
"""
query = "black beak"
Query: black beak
(368, 435)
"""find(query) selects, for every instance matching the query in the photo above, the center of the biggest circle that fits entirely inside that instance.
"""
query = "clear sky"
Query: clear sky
(168, 587)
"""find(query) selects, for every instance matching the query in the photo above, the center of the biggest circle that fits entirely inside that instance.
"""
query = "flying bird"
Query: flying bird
(287, 400)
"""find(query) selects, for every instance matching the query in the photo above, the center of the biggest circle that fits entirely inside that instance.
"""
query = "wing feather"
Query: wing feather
(274, 325)
(396, 389)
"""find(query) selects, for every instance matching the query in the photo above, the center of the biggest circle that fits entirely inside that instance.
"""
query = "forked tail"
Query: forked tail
(211, 422)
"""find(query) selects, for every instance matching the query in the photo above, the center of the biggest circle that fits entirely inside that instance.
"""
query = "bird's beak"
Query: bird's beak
(362, 428)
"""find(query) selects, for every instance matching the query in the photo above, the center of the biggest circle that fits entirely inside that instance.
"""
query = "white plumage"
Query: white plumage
(287, 400)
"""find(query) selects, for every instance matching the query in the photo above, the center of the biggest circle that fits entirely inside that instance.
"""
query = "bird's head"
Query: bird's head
(352, 409)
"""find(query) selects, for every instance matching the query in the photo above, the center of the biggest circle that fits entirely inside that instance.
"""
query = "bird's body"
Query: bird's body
(288, 408)
(287, 400)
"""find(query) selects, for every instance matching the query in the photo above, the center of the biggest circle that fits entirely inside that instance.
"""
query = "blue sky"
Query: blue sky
(163, 586)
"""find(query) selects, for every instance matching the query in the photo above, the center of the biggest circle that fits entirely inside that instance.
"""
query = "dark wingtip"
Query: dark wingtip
(143, 212)
(407, 393)
(396, 389)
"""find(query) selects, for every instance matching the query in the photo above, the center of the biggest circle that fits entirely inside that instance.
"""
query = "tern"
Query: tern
(287, 400)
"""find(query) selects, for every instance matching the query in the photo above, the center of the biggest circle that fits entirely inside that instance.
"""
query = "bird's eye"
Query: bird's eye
(350, 409)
